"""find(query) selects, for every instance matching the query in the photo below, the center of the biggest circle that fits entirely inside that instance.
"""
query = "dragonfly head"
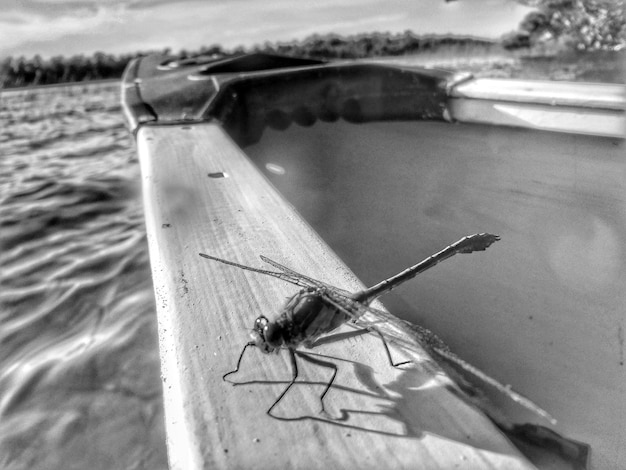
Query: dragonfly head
(266, 335)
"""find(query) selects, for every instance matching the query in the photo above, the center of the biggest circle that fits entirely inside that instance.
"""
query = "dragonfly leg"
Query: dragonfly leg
(393, 364)
(294, 368)
(238, 361)
(319, 362)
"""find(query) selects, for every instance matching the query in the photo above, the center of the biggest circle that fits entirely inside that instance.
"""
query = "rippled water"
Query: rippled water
(79, 366)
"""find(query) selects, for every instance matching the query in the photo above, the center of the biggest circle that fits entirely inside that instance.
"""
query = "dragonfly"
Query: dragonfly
(319, 308)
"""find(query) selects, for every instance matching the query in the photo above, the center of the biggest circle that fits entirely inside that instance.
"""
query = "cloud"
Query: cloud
(57, 8)
(67, 27)
(39, 27)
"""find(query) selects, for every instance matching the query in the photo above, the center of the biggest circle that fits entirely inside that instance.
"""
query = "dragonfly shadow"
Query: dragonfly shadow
(349, 419)
(411, 405)
(415, 400)
(345, 419)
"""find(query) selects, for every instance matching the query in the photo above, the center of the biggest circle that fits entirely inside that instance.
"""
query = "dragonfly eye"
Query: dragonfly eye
(259, 334)
(260, 323)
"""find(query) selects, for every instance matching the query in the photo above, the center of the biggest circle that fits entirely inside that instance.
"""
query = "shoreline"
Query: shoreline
(483, 62)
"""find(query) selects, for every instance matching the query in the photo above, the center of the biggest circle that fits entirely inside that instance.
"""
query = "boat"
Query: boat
(539, 163)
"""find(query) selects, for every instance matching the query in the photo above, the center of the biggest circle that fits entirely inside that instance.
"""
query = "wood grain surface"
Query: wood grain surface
(202, 194)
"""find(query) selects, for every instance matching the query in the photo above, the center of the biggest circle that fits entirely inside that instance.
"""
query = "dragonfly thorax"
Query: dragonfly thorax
(307, 316)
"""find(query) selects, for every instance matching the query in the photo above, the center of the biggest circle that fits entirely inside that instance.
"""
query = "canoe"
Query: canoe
(538, 163)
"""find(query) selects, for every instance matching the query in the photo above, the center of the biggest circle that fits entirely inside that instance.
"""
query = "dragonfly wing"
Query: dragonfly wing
(408, 336)
(415, 338)
(293, 279)
(309, 281)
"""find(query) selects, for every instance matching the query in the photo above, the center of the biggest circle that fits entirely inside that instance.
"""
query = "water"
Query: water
(79, 365)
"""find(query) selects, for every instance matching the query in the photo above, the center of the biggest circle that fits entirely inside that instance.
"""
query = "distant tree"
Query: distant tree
(20, 71)
(212, 50)
(572, 24)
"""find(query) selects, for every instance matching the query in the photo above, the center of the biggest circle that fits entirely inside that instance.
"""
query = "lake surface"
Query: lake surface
(79, 364)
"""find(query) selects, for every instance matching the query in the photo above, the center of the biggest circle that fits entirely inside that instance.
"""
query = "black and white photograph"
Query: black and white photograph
(347, 234)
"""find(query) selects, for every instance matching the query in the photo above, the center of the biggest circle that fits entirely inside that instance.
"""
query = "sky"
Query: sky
(67, 27)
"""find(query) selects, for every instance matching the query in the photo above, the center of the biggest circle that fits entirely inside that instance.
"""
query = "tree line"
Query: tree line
(22, 71)
(557, 24)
